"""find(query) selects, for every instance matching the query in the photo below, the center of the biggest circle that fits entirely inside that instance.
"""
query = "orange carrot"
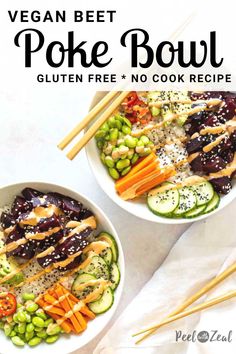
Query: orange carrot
(158, 180)
(78, 315)
(85, 310)
(65, 305)
(51, 300)
(65, 325)
(140, 165)
(121, 186)
(56, 310)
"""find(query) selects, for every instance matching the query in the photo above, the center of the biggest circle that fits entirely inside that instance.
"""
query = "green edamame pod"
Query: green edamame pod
(51, 339)
(125, 171)
(17, 341)
(121, 164)
(113, 173)
(34, 341)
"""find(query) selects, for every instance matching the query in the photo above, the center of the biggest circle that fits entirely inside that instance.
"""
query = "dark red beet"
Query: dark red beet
(233, 140)
(30, 193)
(194, 145)
(227, 155)
(71, 207)
(227, 111)
(51, 240)
(16, 234)
(49, 223)
(20, 206)
(28, 250)
(213, 164)
(54, 198)
(76, 243)
(84, 214)
(210, 121)
(222, 185)
(7, 220)
(75, 263)
(197, 164)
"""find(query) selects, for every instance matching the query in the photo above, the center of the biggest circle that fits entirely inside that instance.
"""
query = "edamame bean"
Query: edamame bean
(144, 139)
(123, 149)
(113, 173)
(114, 134)
(126, 130)
(51, 339)
(134, 159)
(130, 154)
(102, 157)
(100, 134)
(28, 296)
(30, 327)
(15, 318)
(126, 121)
(13, 333)
(34, 341)
(140, 143)
(130, 142)
(21, 316)
(125, 171)
(17, 341)
(21, 328)
(38, 322)
(31, 307)
(105, 127)
(1, 325)
(119, 118)
(40, 313)
(19, 306)
(121, 164)
(28, 317)
(100, 144)
(146, 152)
(7, 329)
(47, 322)
(38, 329)
(42, 334)
(107, 137)
(118, 124)
(53, 329)
(111, 122)
(109, 161)
(29, 335)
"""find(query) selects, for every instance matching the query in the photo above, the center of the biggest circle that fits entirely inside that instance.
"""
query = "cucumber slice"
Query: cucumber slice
(187, 201)
(114, 276)
(98, 268)
(82, 279)
(104, 236)
(195, 212)
(107, 255)
(204, 192)
(104, 303)
(164, 203)
(213, 204)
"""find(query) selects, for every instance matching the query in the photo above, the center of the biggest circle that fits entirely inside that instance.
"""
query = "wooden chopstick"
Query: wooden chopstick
(203, 306)
(89, 117)
(214, 282)
(93, 129)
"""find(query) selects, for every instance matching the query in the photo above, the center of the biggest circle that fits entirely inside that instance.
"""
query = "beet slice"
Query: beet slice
(16, 234)
(28, 250)
(75, 263)
(76, 243)
(7, 220)
(84, 214)
(227, 155)
(213, 164)
(197, 163)
(54, 198)
(20, 206)
(222, 185)
(30, 193)
(71, 208)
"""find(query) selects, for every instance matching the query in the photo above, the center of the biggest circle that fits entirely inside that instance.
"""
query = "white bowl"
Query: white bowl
(137, 207)
(66, 344)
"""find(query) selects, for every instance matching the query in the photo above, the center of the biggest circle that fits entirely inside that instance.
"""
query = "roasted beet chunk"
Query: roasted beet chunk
(222, 185)
(27, 251)
(206, 95)
(7, 220)
(210, 120)
(16, 234)
(30, 193)
(54, 198)
(197, 163)
(75, 263)
(51, 240)
(227, 111)
(71, 208)
(227, 155)
(55, 256)
(233, 140)
(48, 224)
(76, 243)
(84, 214)
(213, 164)
(197, 144)
(20, 206)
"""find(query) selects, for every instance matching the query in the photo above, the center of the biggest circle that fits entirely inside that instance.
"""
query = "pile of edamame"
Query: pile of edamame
(120, 150)
(30, 324)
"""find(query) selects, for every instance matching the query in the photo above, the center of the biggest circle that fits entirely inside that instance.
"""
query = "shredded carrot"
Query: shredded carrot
(158, 180)
(140, 165)
(123, 185)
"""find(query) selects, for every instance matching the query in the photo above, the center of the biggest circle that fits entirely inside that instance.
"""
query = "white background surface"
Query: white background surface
(32, 123)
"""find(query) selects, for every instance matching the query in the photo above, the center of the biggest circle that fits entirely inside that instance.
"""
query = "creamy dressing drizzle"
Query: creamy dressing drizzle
(210, 103)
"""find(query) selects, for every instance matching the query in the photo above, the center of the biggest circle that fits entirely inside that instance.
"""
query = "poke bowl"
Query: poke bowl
(61, 269)
(168, 156)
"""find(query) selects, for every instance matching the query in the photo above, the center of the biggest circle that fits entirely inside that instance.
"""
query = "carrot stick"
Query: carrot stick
(140, 165)
(65, 325)
(85, 310)
(78, 315)
(51, 300)
(160, 179)
(121, 186)
(53, 309)
(65, 305)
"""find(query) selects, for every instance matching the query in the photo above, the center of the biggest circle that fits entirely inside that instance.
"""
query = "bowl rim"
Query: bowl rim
(121, 260)
(159, 219)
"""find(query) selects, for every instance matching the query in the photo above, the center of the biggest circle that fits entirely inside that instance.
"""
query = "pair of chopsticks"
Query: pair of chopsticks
(181, 311)
(112, 103)
(97, 124)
